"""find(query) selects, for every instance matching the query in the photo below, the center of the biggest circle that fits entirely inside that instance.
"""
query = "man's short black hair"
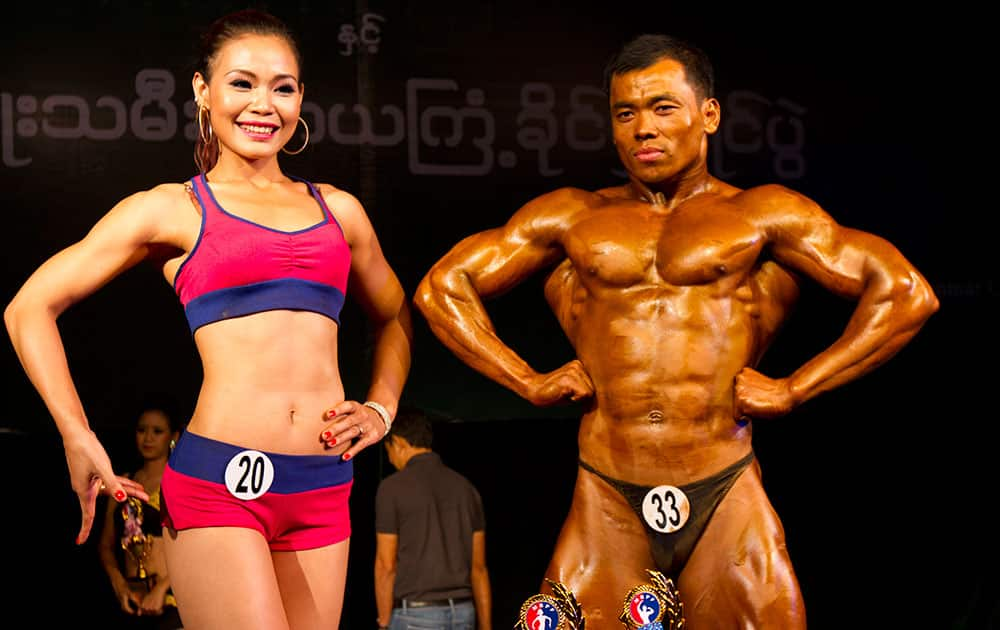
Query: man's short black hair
(413, 425)
(645, 50)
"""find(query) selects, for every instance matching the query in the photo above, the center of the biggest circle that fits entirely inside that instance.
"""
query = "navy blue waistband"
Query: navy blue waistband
(206, 459)
(291, 294)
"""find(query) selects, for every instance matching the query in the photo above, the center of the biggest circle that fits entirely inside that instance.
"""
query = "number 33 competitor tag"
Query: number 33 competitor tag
(249, 475)
(666, 509)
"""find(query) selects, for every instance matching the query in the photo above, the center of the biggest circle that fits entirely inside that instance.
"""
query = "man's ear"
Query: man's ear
(711, 115)
(399, 441)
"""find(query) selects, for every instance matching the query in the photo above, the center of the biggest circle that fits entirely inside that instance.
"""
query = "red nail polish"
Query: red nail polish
(120, 496)
(347, 456)
(333, 441)
(326, 436)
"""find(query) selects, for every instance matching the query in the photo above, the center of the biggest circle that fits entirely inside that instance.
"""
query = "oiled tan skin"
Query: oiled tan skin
(670, 288)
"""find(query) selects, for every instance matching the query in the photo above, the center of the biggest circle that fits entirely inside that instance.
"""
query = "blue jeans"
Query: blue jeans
(455, 616)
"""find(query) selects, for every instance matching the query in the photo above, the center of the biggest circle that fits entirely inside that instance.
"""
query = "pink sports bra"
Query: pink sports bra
(238, 267)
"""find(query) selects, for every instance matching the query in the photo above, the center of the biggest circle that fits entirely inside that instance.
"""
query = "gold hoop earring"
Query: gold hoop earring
(304, 144)
(203, 114)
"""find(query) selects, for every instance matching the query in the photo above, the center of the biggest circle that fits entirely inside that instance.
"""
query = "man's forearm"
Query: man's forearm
(460, 322)
(383, 595)
(484, 601)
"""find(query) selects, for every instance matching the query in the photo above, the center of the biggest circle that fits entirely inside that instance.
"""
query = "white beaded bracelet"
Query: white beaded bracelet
(382, 412)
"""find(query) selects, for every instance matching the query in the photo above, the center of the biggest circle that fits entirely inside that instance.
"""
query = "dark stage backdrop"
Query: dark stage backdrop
(443, 118)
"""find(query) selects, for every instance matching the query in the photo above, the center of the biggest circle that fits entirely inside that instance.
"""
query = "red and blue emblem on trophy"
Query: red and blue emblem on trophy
(541, 615)
(650, 606)
(644, 610)
(558, 611)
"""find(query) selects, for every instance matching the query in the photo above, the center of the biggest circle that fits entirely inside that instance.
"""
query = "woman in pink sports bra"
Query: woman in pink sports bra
(255, 495)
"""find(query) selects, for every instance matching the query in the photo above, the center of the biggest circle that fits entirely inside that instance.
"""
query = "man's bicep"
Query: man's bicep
(803, 237)
(494, 261)
(479, 548)
(841, 259)
(388, 542)
(386, 546)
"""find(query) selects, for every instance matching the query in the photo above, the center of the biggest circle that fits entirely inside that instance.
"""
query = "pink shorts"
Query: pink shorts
(295, 501)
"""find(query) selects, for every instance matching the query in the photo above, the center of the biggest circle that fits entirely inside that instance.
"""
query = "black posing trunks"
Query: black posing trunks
(671, 551)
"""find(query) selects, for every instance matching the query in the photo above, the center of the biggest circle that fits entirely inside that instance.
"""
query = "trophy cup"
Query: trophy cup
(653, 606)
(133, 539)
(559, 611)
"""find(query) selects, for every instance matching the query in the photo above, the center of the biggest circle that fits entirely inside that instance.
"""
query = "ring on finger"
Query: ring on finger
(361, 430)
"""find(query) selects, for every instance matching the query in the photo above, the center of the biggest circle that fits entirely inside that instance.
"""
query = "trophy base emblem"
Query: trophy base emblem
(559, 611)
(653, 606)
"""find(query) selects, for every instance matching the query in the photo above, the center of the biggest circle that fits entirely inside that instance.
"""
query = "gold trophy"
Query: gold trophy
(133, 539)
(653, 606)
(559, 611)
